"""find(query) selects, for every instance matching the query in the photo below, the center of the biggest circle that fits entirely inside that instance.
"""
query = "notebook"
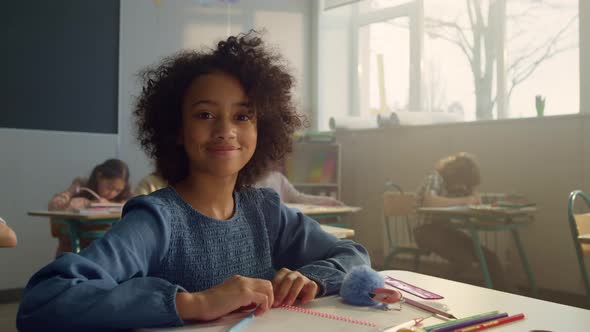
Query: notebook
(106, 205)
(98, 211)
(324, 314)
(97, 208)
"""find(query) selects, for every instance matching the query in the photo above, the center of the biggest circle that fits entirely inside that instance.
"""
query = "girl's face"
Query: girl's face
(109, 188)
(218, 126)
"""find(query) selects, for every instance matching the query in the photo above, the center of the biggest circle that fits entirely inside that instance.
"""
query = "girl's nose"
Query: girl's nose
(225, 129)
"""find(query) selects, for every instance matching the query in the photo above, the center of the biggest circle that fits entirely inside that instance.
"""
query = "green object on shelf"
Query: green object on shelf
(540, 105)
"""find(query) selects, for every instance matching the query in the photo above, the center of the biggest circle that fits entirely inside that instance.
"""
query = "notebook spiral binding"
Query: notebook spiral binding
(327, 315)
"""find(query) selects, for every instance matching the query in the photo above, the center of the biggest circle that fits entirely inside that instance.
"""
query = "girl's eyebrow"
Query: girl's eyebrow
(201, 102)
(211, 102)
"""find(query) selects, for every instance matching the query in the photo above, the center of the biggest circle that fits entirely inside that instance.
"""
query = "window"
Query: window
(435, 61)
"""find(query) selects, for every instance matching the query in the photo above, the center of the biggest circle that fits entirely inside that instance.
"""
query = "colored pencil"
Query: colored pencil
(432, 327)
(492, 323)
(460, 325)
(428, 308)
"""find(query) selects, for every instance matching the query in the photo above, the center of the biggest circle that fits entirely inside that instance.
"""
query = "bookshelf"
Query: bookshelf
(314, 168)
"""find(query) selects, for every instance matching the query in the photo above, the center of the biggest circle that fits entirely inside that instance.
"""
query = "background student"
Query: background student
(7, 235)
(277, 181)
(149, 184)
(454, 182)
(209, 244)
(109, 180)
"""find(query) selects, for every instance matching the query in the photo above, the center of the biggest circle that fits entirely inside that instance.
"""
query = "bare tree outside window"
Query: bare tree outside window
(481, 35)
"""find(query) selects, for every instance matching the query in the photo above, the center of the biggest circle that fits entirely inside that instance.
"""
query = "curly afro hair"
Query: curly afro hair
(460, 172)
(265, 80)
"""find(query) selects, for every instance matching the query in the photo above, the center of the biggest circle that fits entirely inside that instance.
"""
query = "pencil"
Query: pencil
(492, 323)
(432, 327)
(428, 308)
(460, 325)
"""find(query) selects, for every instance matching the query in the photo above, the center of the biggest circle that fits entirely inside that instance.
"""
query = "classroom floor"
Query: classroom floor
(8, 317)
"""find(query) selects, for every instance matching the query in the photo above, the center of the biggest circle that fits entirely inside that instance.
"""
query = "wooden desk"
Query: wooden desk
(584, 239)
(486, 218)
(462, 300)
(74, 219)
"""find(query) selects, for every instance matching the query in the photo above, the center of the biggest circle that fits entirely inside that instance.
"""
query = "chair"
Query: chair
(398, 208)
(580, 224)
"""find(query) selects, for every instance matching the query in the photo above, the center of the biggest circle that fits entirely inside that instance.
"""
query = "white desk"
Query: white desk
(323, 211)
(584, 238)
(467, 300)
(463, 300)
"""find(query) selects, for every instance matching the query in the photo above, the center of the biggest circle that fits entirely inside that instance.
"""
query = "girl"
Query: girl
(279, 183)
(109, 180)
(208, 244)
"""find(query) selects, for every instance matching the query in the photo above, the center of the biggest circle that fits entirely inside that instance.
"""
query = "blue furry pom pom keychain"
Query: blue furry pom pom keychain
(363, 286)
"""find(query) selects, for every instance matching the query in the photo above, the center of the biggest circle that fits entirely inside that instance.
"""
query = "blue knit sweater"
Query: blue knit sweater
(130, 277)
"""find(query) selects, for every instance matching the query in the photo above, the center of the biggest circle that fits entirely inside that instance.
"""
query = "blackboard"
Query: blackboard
(59, 63)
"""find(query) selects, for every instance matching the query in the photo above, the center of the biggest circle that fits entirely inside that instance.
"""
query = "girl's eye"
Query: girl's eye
(244, 117)
(205, 115)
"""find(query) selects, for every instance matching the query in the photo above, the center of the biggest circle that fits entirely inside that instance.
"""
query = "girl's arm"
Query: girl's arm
(7, 235)
(107, 286)
(300, 244)
(432, 200)
(64, 200)
(291, 195)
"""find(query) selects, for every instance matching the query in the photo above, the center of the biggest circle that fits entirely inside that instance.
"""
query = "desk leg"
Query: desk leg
(74, 239)
(481, 257)
(525, 263)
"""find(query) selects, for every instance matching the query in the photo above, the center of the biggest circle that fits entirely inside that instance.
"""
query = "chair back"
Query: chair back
(397, 204)
(580, 224)
(399, 210)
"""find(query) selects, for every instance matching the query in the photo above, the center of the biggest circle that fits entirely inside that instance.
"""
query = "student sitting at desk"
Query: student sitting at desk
(454, 182)
(208, 244)
(149, 184)
(108, 182)
(277, 181)
(7, 235)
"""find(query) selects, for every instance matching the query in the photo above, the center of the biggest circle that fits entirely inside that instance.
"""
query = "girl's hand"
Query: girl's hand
(79, 203)
(289, 285)
(74, 188)
(234, 293)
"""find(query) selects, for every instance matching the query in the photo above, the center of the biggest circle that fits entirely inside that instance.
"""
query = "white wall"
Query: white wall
(149, 32)
(36, 164)
(584, 56)
(542, 158)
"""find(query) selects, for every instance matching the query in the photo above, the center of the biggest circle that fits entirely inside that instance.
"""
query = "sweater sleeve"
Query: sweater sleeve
(299, 243)
(107, 286)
